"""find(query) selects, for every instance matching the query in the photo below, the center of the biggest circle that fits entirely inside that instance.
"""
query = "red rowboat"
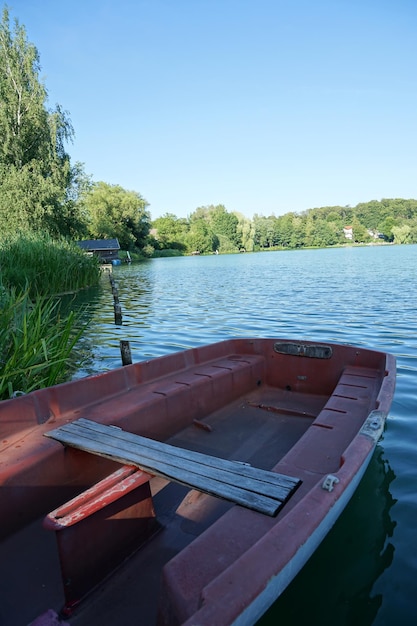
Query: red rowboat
(189, 489)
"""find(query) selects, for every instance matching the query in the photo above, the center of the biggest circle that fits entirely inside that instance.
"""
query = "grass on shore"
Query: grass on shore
(45, 266)
(37, 338)
(36, 343)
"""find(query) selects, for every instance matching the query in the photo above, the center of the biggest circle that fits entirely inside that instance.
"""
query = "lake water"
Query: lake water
(365, 572)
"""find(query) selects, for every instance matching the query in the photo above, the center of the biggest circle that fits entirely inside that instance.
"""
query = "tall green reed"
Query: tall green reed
(36, 343)
(37, 335)
(45, 266)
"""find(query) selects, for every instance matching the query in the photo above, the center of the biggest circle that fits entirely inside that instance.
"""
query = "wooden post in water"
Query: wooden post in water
(117, 314)
(117, 308)
(115, 292)
(125, 353)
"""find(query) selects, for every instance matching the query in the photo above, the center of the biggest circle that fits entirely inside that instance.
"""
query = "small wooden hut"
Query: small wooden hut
(106, 249)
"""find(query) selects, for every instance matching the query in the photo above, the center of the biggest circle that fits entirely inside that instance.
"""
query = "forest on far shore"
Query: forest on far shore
(212, 228)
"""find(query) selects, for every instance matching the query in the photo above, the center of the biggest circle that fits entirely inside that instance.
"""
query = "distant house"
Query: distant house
(348, 230)
(106, 249)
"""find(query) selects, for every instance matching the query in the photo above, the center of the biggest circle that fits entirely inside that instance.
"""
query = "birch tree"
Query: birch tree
(35, 170)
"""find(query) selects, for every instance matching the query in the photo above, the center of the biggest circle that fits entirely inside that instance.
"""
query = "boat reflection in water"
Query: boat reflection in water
(336, 585)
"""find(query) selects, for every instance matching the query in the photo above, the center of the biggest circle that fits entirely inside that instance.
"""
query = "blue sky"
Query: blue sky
(265, 106)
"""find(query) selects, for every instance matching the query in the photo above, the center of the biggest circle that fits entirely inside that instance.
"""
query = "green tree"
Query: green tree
(201, 213)
(298, 234)
(35, 170)
(283, 228)
(24, 123)
(324, 234)
(170, 231)
(360, 234)
(200, 237)
(335, 218)
(115, 212)
(73, 218)
(385, 227)
(401, 233)
(265, 231)
(220, 230)
(413, 231)
(246, 232)
(370, 213)
(225, 224)
(309, 229)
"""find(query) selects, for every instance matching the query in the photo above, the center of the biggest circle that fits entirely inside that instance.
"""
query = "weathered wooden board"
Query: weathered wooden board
(238, 482)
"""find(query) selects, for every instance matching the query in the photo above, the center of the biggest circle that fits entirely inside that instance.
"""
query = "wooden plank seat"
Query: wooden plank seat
(102, 526)
(257, 489)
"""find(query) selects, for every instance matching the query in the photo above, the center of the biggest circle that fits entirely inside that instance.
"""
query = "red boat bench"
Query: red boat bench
(90, 538)
(88, 548)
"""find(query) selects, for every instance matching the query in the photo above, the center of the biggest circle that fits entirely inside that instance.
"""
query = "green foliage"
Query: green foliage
(171, 232)
(148, 251)
(246, 232)
(33, 202)
(37, 182)
(201, 238)
(225, 245)
(115, 212)
(385, 228)
(36, 339)
(24, 125)
(211, 227)
(265, 231)
(36, 343)
(282, 230)
(220, 228)
(323, 226)
(166, 252)
(207, 229)
(45, 266)
(224, 225)
(401, 233)
(360, 233)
